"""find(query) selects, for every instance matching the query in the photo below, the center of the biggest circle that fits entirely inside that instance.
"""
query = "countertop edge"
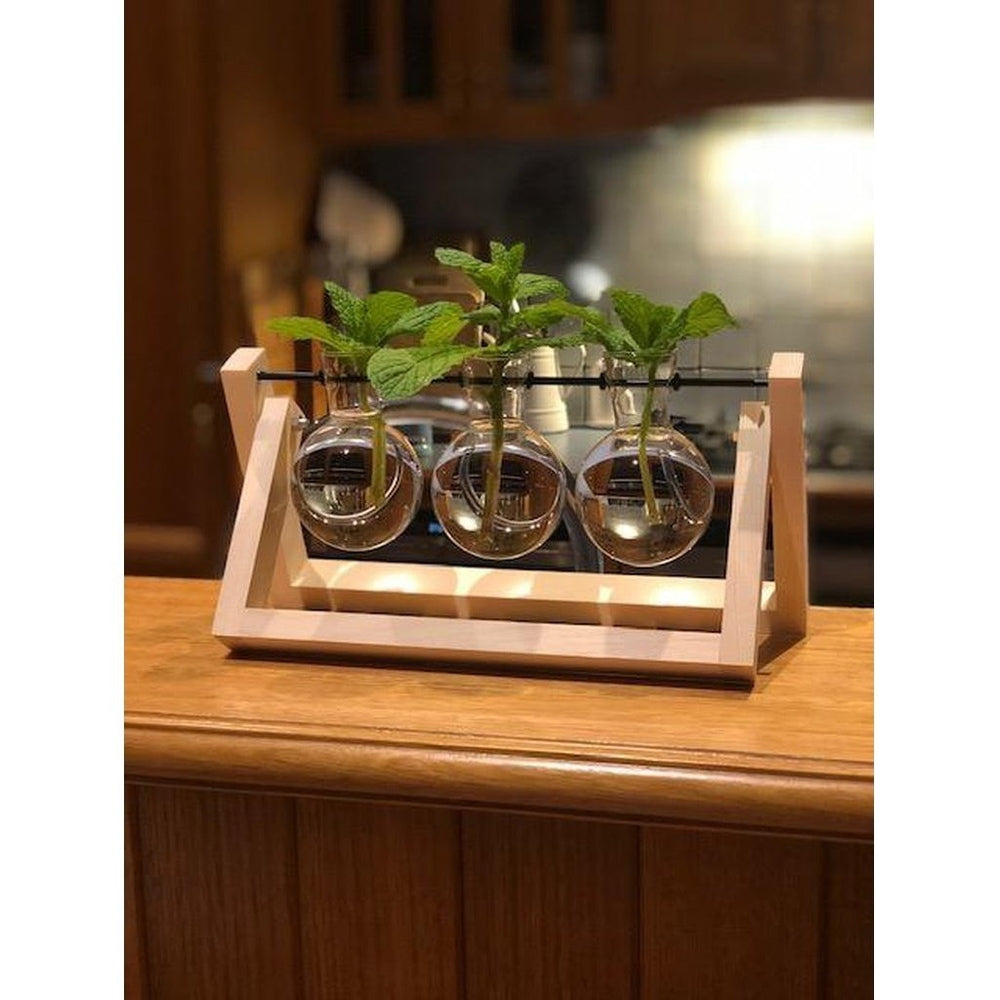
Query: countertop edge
(720, 797)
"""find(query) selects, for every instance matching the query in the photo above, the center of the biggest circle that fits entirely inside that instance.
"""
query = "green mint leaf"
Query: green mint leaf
(636, 313)
(490, 278)
(308, 328)
(526, 342)
(528, 286)
(444, 328)
(417, 319)
(542, 315)
(705, 315)
(397, 372)
(382, 310)
(349, 308)
(465, 262)
(485, 315)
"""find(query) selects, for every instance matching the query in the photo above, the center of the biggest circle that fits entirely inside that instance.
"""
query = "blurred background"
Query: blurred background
(723, 145)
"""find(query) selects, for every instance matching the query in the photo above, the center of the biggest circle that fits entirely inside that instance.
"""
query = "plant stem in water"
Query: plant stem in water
(491, 500)
(652, 508)
(378, 459)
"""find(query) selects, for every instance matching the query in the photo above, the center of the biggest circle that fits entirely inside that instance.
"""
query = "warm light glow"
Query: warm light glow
(795, 183)
(587, 280)
(400, 583)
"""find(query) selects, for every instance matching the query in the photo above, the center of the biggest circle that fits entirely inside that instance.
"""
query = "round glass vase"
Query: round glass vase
(644, 491)
(498, 489)
(356, 482)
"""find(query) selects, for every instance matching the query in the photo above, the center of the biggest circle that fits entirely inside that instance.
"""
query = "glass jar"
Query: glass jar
(645, 492)
(498, 489)
(356, 482)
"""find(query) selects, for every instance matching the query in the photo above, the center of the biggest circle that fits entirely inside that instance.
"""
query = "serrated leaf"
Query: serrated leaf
(529, 285)
(514, 261)
(706, 314)
(484, 315)
(382, 310)
(443, 329)
(349, 308)
(451, 257)
(635, 311)
(397, 372)
(309, 328)
(417, 320)
(542, 315)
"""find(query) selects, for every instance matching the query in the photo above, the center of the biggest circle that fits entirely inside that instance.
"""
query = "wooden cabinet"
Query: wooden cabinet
(221, 156)
(704, 53)
(365, 831)
(399, 70)
(845, 58)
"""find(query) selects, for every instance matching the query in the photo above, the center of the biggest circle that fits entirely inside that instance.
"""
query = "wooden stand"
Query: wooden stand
(273, 596)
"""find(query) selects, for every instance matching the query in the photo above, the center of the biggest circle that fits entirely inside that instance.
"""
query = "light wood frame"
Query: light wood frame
(274, 597)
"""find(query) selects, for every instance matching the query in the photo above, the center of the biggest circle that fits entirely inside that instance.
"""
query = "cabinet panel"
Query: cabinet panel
(219, 895)
(393, 69)
(730, 915)
(380, 901)
(850, 924)
(846, 51)
(697, 53)
(550, 908)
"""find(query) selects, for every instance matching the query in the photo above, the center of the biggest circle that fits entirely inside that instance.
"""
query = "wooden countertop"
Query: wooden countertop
(795, 755)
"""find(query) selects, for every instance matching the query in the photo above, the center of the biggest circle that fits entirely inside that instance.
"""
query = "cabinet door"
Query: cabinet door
(393, 69)
(545, 67)
(693, 54)
(846, 51)
(175, 432)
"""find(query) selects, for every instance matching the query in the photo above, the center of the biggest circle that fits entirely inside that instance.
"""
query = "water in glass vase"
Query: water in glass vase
(528, 501)
(615, 504)
(644, 491)
(341, 497)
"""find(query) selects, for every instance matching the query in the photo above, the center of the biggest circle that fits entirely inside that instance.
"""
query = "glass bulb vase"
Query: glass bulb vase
(356, 482)
(645, 493)
(498, 490)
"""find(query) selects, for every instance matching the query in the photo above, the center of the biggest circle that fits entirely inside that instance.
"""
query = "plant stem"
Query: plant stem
(652, 508)
(378, 458)
(491, 500)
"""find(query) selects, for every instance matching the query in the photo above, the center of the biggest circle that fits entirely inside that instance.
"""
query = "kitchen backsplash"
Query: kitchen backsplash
(771, 207)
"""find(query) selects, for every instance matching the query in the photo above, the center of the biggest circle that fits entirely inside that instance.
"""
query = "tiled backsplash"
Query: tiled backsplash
(769, 207)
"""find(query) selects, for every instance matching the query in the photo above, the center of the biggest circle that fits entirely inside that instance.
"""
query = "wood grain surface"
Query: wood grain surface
(550, 908)
(220, 895)
(796, 754)
(255, 895)
(730, 915)
(381, 901)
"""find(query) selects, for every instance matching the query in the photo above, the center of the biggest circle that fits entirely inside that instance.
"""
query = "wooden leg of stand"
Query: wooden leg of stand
(257, 533)
(747, 531)
(245, 397)
(788, 494)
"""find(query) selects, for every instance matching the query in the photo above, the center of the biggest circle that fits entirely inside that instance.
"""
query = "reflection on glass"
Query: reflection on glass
(418, 49)
(358, 51)
(530, 74)
(588, 50)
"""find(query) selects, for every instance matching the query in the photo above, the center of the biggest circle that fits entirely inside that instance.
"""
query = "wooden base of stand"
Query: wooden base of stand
(274, 597)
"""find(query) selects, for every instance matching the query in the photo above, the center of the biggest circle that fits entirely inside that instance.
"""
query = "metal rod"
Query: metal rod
(753, 379)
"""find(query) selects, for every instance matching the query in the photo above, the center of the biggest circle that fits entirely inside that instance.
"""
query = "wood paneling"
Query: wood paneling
(849, 965)
(380, 896)
(170, 275)
(135, 971)
(795, 754)
(220, 892)
(730, 915)
(550, 908)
